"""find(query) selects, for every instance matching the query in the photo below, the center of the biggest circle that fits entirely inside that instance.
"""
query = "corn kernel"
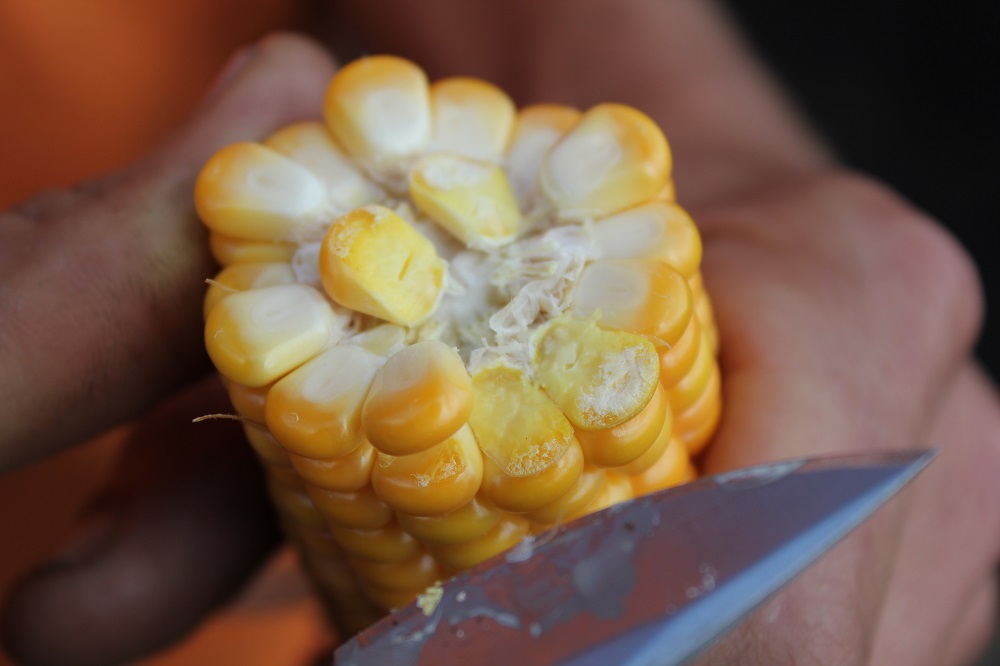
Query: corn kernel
(676, 360)
(470, 117)
(506, 534)
(627, 441)
(470, 199)
(598, 378)
(684, 393)
(572, 502)
(384, 340)
(695, 425)
(654, 452)
(639, 296)
(359, 509)
(227, 250)
(374, 262)
(311, 145)
(255, 337)
(657, 230)
(466, 523)
(266, 447)
(529, 492)
(536, 130)
(249, 191)
(385, 544)
(617, 489)
(378, 108)
(420, 397)
(673, 468)
(613, 158)
(248, 402)
(347, 473)
(414, 574)
(294, 505)
(243, 277)
(315, 411)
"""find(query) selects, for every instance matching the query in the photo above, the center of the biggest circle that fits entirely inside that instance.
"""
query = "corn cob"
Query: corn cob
(448, 324)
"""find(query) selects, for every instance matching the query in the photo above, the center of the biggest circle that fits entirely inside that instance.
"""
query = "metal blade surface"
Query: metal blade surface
(652, 581)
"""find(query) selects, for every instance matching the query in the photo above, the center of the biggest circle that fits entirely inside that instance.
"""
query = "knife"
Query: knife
(649, 582)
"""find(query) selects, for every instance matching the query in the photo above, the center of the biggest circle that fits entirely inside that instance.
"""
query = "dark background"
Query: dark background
(907, 92)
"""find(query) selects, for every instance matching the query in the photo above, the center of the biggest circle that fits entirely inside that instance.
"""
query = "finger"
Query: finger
(100, 310)
(184, 524)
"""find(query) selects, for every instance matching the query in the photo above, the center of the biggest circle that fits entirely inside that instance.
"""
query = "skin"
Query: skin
(847, 319)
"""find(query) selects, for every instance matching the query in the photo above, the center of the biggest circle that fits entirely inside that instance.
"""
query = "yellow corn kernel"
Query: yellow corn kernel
(627, 441)
(466, 523)
(506, 534)
(657, 230)
(248, 402)
(684, 393)
(378, 108)
(317, 544)
(676, 360)
(347, 473)
(597, 378)
(420, 397)
(227, 250)
(524, 438)
(671, 469)
(315, 411)
(384, 340)
(613, 158)
(266, 447)
(617, 489)
(295, 505)
(359, 509)
(285, 476)
(521, 493)
(249, 191)
(470, 199)
(572, 502)
(437, 480)
(536, 130)
(374, 262)
(470, 117)
(243, 277)
(646, 297)
(385, 544)
(255, 337)
(414, 574)
(311, 145)
(654, 452)
(695, 425)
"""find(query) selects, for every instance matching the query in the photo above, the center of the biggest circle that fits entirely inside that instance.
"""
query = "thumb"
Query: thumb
(100, 310)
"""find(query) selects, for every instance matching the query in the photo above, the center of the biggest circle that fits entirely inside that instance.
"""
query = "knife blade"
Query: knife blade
(653, 581)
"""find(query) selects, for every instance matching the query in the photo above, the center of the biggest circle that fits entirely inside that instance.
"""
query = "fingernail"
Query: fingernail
(84, 539)
(233, 66)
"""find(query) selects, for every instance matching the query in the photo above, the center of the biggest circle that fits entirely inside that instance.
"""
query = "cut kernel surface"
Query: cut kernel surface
(448, 324)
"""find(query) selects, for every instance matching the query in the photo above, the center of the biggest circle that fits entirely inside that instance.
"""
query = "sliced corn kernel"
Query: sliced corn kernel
(374, 262)
(654, 452)
(227, 250)
(437, 480)
(627, 441)
(695, 425)
(248, 402)
(536, 130)
(613, 158)
(359, 509)
(676, 360)
(315, 411)
(671, 469)
(506, 534)
(523, 493)
(684, 393)
(296, 506)
(384, 340)
(597, 378)
(420, 397)
(378, 108)
(385, 544)
(470, 117)
(242, 277)
(266, 447)
(347, 473)
(470, 199)
(311, 145)
(657, 230)
(617, 489)
(416, 573)
(466, 523)
(249, 191)
(255, 337)
(646, 297)
(572, 502)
